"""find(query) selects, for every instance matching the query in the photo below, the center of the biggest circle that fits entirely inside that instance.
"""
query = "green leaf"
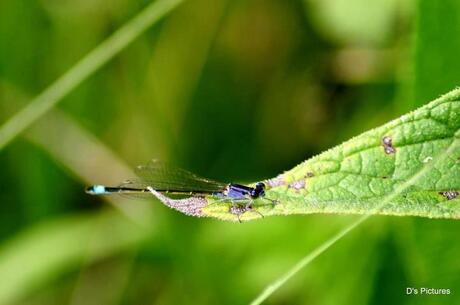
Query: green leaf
(409, 166)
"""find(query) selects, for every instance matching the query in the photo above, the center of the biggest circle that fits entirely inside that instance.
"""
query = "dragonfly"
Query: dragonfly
(171, 180)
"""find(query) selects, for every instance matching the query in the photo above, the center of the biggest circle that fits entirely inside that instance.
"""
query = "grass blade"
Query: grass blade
(84, 68)
(270, 289)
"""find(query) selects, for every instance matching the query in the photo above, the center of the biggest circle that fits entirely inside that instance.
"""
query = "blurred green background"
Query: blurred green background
(233, 90)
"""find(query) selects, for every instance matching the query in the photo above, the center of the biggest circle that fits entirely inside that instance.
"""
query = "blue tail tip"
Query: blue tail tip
(96, 190)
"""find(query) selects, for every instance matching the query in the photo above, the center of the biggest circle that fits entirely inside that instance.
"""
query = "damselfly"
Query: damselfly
(175, 181)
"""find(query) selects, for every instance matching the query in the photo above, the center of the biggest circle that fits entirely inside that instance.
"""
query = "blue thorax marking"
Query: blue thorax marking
(237, 191)
(241, 192)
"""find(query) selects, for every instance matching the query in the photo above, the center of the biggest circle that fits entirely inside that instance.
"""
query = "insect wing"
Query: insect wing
(162, 177)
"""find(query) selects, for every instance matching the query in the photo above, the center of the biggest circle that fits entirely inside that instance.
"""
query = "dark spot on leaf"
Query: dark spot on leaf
(449, 194)
(390, 150)
(309, 175)
(386, 140)
(387, 143)
(385, 177)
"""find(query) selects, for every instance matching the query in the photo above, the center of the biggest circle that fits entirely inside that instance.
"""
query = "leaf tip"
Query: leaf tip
(192, 206)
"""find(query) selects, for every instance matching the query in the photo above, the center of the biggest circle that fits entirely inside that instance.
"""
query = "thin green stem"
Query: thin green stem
(306, 260)
(84, 68)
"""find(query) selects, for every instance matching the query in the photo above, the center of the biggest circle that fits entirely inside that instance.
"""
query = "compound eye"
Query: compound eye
(258, 190)
(260, 185)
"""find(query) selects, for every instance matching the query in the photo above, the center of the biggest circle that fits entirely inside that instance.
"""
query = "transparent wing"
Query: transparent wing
(138, 189)
(163, 177)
